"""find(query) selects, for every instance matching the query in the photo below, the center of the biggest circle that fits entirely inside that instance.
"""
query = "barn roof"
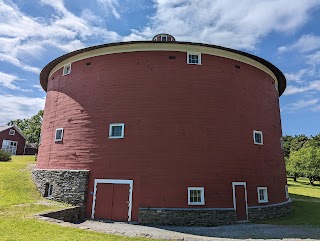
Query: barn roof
(3, 128)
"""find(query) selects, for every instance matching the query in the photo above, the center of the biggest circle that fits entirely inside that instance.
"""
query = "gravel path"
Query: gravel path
(247, 231)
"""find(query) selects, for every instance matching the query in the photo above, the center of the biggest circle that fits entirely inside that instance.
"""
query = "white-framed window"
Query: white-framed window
(262, 194)
(195, 195)
(281, 143)
(59, 134)
(194, 58)
(116, 130)
(164, 38)
(48, 190)
(257, 137)
(286, 190)
(66, 69)
(276, 85)
(12, 132)
(40, 139)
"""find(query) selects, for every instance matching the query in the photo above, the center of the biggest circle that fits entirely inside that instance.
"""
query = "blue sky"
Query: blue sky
(284, 32)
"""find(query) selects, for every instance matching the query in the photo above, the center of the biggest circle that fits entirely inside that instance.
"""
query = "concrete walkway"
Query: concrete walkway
(247, 231)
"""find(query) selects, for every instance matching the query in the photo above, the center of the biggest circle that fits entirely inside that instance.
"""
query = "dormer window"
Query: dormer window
(12, 132)
(163, 38)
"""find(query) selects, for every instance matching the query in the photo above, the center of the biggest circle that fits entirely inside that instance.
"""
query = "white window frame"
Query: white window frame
(276, 85)
(110, 130)
(202, 195)
(265, 190)
(281, 143)
(164, 36)
(287, 191)
(12, 132)
(254, 137)
(66, 69)
(194, 53)
(55, 135)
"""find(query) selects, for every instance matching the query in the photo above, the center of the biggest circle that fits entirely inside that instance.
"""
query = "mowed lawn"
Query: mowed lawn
(306, 204)
(19, 200)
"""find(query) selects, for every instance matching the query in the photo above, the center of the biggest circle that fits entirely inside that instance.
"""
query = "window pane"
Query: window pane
(257, 137)
(116, 131)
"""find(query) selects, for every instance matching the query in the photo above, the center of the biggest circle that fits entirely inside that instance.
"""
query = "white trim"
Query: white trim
(286, 191)
(163, 36)
(55, 135)
(281, 143)
(194, 53)
(12, 133)
(202, 195)
(112, 181)
(254, 138)
(110, 130)
(265, 193)
(66, 69)
(234, 184)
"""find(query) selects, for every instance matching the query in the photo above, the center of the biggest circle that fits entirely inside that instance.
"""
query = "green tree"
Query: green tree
(31, 128)
(305, 162)
(287, 145)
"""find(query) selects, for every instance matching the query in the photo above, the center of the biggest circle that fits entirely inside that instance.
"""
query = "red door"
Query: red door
(120, 202)
(241, 205)
(112, 202)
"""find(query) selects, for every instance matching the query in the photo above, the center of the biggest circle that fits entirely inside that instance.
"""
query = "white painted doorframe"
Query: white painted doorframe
(112, 181)
(234, 184)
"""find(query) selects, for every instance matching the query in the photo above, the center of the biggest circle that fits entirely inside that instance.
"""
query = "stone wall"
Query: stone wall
(73, 214)
(69, 186)
(270, 211)
(186, 216)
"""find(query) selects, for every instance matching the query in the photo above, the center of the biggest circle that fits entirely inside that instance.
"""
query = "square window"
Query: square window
(12, 132)
(286, 190)
(116, 130)
(195, 196)
(67, 69)
(193, 58)
(257, 137)
(59, 134)
(262, 194)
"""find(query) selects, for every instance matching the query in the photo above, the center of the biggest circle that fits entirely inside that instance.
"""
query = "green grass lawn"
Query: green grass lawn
(306, 204)
(19, 200)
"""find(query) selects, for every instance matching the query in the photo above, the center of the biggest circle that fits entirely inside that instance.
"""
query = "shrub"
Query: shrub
(4, 156)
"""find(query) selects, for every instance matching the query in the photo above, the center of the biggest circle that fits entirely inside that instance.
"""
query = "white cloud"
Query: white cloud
(7, 80)
(239, 25)
(38, 87)
(310, 86)
(297, 77)
(23, 37)
(305, 43)
(301, 104)
(314, 59)
(18, 107)
(112, 5)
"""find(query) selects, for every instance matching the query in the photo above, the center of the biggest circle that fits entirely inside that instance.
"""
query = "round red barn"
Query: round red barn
(163, 132)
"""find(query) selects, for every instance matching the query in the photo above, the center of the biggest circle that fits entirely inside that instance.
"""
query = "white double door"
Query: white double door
(10, 146)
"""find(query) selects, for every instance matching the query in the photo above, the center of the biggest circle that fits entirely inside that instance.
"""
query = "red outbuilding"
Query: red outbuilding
(12, 140)
(164, 132)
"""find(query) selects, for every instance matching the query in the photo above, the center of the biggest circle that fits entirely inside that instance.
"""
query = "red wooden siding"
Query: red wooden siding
(185, 126)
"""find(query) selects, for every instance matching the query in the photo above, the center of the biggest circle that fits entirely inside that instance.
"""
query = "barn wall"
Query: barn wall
(185, 125)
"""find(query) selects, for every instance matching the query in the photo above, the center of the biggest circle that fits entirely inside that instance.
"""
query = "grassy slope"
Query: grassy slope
(306, 204)
(19, 200)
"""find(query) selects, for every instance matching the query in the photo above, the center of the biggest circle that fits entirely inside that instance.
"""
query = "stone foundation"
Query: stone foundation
(270, 211)
(69, 186)
(209, 216)
(187, 216)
